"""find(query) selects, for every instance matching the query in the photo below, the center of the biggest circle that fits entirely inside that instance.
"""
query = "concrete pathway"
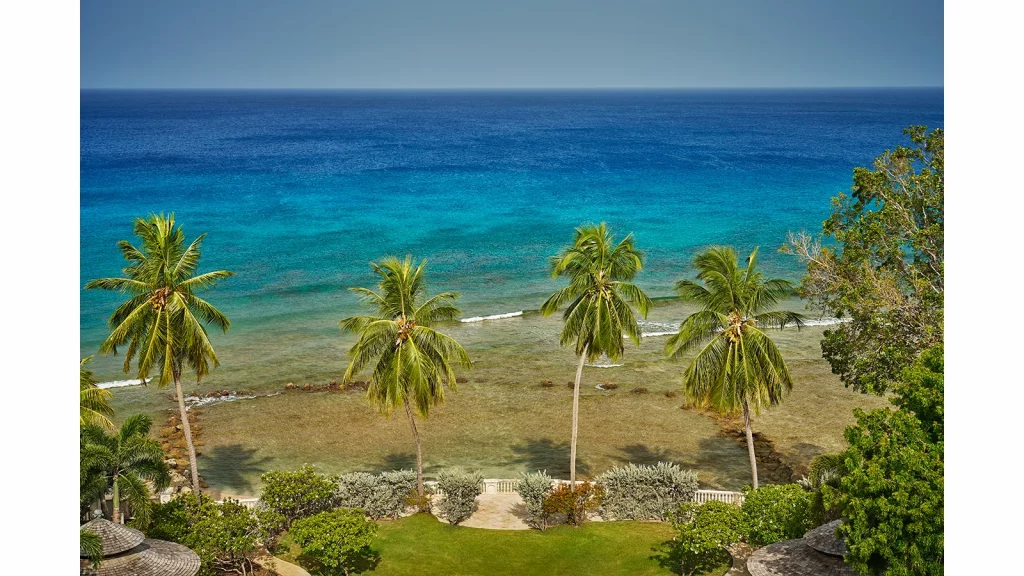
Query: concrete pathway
(280, 567)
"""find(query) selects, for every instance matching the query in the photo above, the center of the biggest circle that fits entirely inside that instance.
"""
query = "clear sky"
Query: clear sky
(510, 43)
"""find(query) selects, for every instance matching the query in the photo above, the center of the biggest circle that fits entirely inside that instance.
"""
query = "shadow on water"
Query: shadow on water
(644, 454)
(546, 454)
(234, 467)
(399, 461)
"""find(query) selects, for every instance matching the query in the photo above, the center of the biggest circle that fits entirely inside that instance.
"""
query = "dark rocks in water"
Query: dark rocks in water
(547, 384)
(461, 380)
(640, 390)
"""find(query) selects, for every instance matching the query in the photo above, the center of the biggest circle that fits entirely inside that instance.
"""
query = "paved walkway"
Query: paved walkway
(280, 567)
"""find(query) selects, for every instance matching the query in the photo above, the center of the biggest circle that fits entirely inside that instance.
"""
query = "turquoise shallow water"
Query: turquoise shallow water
(298, 191)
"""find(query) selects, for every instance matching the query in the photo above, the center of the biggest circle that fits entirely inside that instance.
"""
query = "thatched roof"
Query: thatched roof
(823, 539)
(147, 557)
(117, 538)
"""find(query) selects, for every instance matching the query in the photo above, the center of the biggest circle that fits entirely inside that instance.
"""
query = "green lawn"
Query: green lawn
(421, 544)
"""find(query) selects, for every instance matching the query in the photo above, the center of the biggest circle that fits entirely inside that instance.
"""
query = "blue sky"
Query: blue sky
(510, 44)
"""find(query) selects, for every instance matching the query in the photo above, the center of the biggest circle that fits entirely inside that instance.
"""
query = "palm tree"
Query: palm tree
(599, 314)
(162, 321)
(125, 459)
(412, 363)
(737, 366)
(93, 403)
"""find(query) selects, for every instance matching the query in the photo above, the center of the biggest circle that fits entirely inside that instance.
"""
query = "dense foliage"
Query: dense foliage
(225, 536)
(459, 490)
(574, 502)
(534, 489)
(826, 471)
(298, 493)
(642, 492)
(892, 493)
(776, 512)
(93, 402)
(125, 462)
(338, 540)
(882, 264)
(90, 545)
(737, 367)
(703, 531)
(381, 495)
(412, 363)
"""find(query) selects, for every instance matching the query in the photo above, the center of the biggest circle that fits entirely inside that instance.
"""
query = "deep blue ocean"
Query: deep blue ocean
(298, 191)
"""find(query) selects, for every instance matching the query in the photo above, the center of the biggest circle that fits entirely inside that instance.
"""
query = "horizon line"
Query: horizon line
(498, 88)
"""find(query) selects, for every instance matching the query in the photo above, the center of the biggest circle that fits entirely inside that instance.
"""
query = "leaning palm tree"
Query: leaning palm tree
(412, 363)
(93, 403)
(599, 295)
(162, 321)
(125, 459)
(737, 366)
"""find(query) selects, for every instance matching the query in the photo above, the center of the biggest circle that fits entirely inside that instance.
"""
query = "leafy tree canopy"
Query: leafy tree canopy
(880, 264)
(339, 540)
(892, 492)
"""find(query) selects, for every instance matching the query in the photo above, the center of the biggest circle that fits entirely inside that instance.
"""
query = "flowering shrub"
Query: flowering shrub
(575, 503)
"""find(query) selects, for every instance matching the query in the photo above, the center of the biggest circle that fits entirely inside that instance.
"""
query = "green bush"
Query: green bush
(339, 540)
(534, 489)
(380, 496)
(298, 494)
(826, 471)
(703, 533)
(459, 490)
(225, 536)
(639, 492)
(776, 512)
(575, 503)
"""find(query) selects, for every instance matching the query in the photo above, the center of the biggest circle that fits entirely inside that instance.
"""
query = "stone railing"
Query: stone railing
(726, 496)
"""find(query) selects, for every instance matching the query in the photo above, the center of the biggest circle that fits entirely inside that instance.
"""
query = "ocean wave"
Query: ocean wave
(195, 401)
(492, 317)
(119, 383)
(650, 329)
(825, 321)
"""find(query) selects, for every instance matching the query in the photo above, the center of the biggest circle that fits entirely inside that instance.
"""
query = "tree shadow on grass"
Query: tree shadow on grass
(366, 561)
(669, 556)
(546, 454)
(233, 467)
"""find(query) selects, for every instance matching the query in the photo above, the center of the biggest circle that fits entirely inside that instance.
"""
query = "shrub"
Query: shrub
(826, 472)
(534, 489)
(338, 540)
(459, 490)
(574, 503)
(298, 494)
(774, 513)
(225, 536)
(639, 492)
(703, 531)
(380, 496)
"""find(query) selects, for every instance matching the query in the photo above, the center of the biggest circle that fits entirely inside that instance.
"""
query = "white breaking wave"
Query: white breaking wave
(193, 401)
(825, 321)
(492, 317)
(649, 329)
(119, 383)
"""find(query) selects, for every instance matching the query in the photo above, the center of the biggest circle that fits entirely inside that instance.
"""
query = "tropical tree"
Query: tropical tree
(93, 403)
(126, 459)
(412, 362)
(737, 367)
(600, 299)
(162, 321)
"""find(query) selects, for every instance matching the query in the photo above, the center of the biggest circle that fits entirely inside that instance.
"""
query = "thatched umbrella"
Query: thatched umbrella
(818, 553)
(127, 552)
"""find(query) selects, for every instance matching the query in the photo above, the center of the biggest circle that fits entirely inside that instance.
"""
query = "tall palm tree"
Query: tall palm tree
(93, 403)
(737, 366)
(599, 295)
(125, 459)
(162, 321)
(412, 363)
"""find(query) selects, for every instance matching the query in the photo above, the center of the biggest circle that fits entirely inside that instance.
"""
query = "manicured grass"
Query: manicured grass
(421, 544)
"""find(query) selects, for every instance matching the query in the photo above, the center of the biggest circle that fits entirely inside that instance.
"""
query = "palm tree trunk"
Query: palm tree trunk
(575, 418)
(187, 431)
(115, 514)
(750, 442)
(419, 450)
